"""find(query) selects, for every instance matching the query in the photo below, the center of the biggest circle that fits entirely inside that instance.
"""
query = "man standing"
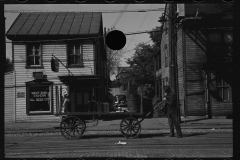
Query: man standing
(171, 105)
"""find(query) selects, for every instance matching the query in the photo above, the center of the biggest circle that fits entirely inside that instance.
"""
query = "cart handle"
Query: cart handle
(150, 111)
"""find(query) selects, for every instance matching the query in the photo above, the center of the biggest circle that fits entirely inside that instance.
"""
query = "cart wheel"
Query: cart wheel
(72, 127)
(130, 127)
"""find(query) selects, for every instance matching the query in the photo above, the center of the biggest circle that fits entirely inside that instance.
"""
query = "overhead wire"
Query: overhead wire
(99, 11)
(72, 39)
(119, 16)
(136, 47)
(139, 27)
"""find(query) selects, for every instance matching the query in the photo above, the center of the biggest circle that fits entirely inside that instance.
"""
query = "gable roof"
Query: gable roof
(56, 23)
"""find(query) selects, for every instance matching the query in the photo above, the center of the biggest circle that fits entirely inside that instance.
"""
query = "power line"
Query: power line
(87, 38)
(99, 11)
(139, 28)
(136, 47)
(119, 16)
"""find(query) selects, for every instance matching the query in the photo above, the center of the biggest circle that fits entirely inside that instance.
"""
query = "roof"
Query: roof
(56, 23)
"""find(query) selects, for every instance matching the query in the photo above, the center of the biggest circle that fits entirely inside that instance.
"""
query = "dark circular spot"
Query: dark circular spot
(116, 40)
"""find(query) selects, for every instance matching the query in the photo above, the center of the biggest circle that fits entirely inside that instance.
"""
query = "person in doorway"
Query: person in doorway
(66, 104)
(172, 112)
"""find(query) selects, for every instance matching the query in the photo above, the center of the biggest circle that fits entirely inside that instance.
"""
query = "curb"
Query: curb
(57, 129)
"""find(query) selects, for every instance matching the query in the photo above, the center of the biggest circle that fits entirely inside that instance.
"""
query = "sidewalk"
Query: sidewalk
(147, 124)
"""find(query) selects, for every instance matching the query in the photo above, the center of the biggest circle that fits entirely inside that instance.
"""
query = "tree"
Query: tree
(8, 65)
(113, 58)
(156, 36)
(141, 66)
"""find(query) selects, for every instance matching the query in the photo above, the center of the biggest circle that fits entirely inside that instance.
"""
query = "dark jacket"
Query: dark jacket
(171, 104)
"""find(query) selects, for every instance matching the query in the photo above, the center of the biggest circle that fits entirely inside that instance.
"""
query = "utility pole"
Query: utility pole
(141, 111)
(173, 57)
(2, 67)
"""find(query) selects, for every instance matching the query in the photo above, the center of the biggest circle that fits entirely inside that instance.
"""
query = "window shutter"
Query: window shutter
(26, 59)
(81, 54)
(67, 50)
(40, 55)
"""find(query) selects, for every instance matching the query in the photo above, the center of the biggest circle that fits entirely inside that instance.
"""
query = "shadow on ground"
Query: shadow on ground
(194, 120)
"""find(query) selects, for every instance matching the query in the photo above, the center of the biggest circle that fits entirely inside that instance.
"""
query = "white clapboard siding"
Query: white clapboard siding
(24, 75)
(60, 52)
(9, 105)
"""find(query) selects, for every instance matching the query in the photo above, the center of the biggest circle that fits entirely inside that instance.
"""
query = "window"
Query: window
(39, 97)
(220, 43)
(159, 61)
(166, 55)
(223, 88)
(157, 88)
(75, 56)
(34, 55)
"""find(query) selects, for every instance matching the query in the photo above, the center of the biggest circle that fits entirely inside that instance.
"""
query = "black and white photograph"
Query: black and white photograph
(117, 79)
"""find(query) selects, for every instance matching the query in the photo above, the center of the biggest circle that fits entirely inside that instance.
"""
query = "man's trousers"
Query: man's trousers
(173, 121)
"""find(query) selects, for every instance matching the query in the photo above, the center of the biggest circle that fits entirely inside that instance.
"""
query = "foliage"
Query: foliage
(156, 36)
(141, 70)
(113, 58)
(141, 64)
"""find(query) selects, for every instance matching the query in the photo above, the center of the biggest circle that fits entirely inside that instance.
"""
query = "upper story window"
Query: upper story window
(34, 55)
(220, 43)
(75, 55)
(166, 55)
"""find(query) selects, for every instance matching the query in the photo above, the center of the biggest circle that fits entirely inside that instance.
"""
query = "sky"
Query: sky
(128, 23)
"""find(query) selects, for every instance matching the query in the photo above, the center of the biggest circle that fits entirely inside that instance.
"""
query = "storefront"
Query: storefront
(82, 91)
(39, 97)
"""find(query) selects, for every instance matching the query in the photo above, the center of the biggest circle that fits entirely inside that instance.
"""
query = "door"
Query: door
(83, 96)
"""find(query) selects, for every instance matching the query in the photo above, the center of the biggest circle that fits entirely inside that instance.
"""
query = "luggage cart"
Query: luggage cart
(73, 125)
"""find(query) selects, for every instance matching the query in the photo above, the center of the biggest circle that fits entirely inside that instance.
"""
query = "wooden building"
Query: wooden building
(9, 96)
(197, 41)
(76, 41)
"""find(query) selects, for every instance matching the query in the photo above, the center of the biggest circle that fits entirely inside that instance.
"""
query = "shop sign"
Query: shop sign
(20, 94)
(39, 96)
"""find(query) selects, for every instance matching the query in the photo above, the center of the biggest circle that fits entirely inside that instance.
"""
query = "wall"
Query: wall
(24, 75)
(9, 104)
(165, 50)
(195, 91)
(180, 70)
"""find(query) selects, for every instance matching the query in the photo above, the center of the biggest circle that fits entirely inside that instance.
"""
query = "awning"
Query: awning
(79, 79)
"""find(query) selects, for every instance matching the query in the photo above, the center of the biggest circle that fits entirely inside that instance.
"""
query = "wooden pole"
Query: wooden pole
(173, 57)
(2, 67)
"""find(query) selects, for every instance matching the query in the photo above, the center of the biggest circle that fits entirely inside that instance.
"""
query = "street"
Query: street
(193, 144)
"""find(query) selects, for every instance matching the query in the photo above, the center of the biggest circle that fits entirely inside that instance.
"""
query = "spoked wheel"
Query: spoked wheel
(72, 127)
(130, 127)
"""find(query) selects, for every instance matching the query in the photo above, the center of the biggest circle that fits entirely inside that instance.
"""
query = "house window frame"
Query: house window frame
(38, 83)
(81, 63)
(221, 43)
(28, 66)
(166, 55)
(220, 78)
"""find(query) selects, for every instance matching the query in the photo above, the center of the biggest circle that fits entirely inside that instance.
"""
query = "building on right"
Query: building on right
(195, 58)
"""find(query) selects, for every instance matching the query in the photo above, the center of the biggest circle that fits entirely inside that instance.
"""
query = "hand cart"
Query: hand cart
(73, 124)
